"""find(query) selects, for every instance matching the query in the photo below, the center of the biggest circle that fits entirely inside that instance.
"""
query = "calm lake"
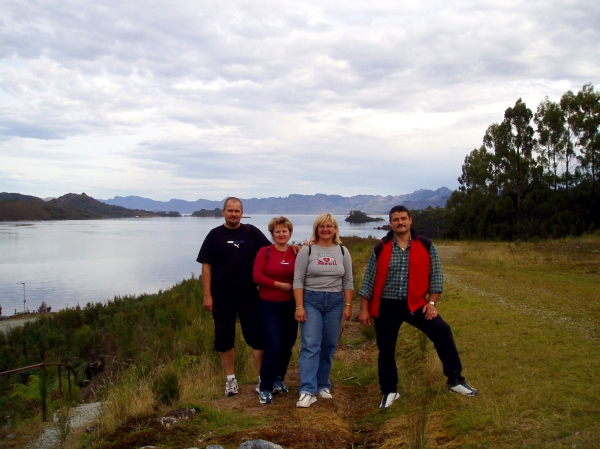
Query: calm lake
(66, 263)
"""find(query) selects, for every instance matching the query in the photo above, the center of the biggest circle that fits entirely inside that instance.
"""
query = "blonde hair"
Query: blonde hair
(280, 221)
(322, 219)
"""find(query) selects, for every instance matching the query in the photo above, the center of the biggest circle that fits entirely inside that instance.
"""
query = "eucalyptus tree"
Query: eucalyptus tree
(521, 142)
(497, 139)
(570, 108)
(588, 122)
(553, 136)
(478, 172)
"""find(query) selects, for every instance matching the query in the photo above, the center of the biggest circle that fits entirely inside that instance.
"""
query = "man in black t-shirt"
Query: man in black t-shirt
(227, 258)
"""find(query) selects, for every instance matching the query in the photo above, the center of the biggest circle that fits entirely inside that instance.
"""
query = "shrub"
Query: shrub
(166, 387)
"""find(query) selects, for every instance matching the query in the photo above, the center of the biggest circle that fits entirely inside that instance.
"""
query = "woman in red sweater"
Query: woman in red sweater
(274, 273)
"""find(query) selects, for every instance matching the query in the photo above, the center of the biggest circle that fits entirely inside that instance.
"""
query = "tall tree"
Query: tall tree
(497, 139)
(477, 172)
(520, 146)
(553, 136)
(569, 106)
(588, 102)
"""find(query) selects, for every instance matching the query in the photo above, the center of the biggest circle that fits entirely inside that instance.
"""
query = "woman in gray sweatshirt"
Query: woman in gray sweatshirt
(323, 291)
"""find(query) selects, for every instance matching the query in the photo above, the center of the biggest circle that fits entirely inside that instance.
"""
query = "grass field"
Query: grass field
(526, 319)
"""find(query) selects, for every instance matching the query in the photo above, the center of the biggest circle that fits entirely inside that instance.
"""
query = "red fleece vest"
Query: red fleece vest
(419, 263)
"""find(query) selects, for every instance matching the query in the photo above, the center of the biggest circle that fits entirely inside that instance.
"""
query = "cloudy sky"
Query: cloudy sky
(205, 99)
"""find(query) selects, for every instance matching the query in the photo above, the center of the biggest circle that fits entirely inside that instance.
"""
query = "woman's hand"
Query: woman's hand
(347, 312)
(285, 287)
(300, 314)
(364, 318)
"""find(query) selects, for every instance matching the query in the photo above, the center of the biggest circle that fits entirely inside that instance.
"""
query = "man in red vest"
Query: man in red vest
(403, 282)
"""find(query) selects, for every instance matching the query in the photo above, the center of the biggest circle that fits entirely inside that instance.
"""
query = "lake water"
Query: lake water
(66, 263)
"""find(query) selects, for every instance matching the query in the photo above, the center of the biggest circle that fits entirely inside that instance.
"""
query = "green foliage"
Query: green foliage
(165, 387)
(518, 187)
(216, 212)
(146, 331)
(429, 222)
(30, 391)
(82, 340)
(63, 426)
(357, 216)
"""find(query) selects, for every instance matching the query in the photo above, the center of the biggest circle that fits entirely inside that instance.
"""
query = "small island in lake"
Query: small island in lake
(216, 212)
(357, 216)
(171, 213)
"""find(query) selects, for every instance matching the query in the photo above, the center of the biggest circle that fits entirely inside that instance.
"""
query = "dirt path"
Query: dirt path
(81, 416)
(351, 420)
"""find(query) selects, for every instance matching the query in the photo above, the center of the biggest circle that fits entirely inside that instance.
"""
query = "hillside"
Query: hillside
(18, 207)
(298, 204)
(522, 344)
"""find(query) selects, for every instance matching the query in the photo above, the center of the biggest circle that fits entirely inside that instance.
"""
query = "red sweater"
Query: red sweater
(271, 269)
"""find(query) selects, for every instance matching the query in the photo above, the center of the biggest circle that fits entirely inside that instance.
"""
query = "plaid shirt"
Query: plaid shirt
(396, 283)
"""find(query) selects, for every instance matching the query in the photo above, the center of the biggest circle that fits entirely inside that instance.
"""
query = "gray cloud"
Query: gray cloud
(333, 98)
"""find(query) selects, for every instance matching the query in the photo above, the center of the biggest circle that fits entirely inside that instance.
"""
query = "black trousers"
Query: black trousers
(392, 313)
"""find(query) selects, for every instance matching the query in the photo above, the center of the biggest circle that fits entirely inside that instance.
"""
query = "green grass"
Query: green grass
(525, 318)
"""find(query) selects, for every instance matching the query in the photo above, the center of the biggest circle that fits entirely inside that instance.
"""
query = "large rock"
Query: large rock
(259, 444)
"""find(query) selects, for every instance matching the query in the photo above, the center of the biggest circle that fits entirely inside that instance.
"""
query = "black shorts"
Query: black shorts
(224, 315)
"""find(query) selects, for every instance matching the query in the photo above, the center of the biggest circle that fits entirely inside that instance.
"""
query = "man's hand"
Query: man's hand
(208, 303)
(364, 318)
(430, 311)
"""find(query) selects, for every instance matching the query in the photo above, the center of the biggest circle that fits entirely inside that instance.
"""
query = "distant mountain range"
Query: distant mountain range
(297, 204)
(18, 207)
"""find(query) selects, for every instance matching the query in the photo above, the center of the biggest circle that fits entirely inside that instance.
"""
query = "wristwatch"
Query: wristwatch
(432, 303)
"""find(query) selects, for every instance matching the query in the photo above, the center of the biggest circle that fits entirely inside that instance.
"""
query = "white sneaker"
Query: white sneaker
(388, 399)
(325, 394)
(231, 387)
(306, 400)
(462, 388)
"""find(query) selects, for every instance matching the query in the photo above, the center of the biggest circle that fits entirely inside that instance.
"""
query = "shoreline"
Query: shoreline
(9, 322)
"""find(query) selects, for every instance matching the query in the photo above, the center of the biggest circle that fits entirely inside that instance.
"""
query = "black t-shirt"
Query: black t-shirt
(231, 253)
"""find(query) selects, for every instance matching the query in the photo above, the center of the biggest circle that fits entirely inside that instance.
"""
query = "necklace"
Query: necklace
(283, 262)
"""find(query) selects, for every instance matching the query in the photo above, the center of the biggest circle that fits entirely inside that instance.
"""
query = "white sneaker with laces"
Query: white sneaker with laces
(388, 399)
(231, 387)
(306, 400)
(462, 388)
(325, 394)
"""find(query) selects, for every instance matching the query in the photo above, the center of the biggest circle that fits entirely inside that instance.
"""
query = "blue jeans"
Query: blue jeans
(320, 335)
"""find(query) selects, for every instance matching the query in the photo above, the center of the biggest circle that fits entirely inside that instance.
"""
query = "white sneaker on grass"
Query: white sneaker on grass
(306, 400)
(231, 387)
(462, 388)
(325, 394)
(388, 399)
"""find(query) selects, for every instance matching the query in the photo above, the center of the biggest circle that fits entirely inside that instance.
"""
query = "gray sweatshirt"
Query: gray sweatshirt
(325, 270)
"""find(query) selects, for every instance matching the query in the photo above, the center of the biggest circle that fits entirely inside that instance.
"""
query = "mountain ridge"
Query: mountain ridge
(297, 203)
(72, 206)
